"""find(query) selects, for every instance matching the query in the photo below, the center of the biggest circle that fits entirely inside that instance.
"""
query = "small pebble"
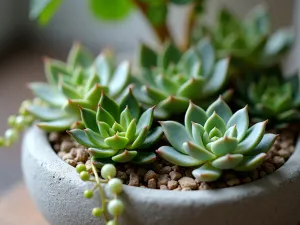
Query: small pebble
(284, 153)
(269, 168)
(163, 187)
(54, 137)
(172, 184)
(141, 171)
(122, 175)
(88, 165)
(188, 173)
(187, 182)
(178, 189)
(278, 161)
(149, 175)
(254, 174)
(166, 170)
(176, 168)
(163, 179)
(56, 147)
(152, 183)
(233, 182)
(229, 176)
(186, 189)
(66, 146)
(204, 186)
(134, 179)
(246, 180)
(175, 175)
(68, 156)
(71, 162)
(262, 174)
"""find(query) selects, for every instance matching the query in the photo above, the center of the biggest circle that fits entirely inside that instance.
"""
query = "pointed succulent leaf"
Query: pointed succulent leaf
(80, 137)
(215, 132)
(116, 142)
(145, 120)
(251, 162)
(110, 106)
(104, 129)
(148, 57)
(78, 76)
(95, 138)
(231, 132)
(228, 161)
(154, 93)
(265, 144)
(124, 156)
(142, 135)
(131, 102)
(46, 113)
(94, 94)
(53, 69)
(90, 83)
(103, 68)
(218, 78)
(144, 158)
(215, 121)
(47, 93)
(241, 120)
(188, 60)
(131, 131)
(207, 173)
(117, 127)
(105, 116)
(73, 106)
(191, 88)
(102, 153)
(198, 152)
(253, 136)
(89, 119)
(176, 135)
(152, 137)
(197, 133)
(171, 55)
(125, 118)
(207, 55)
(119, 79)
(221, 108)
(174, 103)
(57, 125)
(80, 57)
(68, 90)
(173, 156)
(224, 146)
(165, 83)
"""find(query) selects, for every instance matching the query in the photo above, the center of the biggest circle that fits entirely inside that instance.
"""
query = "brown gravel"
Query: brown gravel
(165, 176)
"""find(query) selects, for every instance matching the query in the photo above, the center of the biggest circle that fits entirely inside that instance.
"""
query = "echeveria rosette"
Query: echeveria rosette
(170, 79)
(250, 41)
(80, 81)
(217, 140)
(118, 133)
(275, 98)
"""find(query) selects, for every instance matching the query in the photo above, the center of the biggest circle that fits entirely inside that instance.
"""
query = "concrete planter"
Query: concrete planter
(57, 191)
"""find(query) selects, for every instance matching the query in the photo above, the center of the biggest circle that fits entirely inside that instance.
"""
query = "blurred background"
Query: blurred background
(23, 43)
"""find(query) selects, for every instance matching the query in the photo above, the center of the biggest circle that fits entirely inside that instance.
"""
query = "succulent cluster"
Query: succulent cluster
(216, 139)
(118, 133)
(250, 42)
(171, 79)
(274, 98)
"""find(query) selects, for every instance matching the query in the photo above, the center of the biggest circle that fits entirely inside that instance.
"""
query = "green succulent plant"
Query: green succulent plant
(217, 140)
(118, 133)
(80, 81)
(250, 41)
(170, 79)
(272, 97)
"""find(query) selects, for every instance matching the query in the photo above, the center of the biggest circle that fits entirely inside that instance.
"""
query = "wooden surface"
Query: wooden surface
(16, 208)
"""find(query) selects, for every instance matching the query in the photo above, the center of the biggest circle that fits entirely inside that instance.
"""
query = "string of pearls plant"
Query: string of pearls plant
(114, 206)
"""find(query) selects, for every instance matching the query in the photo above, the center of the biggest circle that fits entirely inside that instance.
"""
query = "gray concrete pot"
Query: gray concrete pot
(57, 191)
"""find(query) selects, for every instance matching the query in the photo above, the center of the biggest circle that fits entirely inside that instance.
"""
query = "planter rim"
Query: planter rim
(45, 155)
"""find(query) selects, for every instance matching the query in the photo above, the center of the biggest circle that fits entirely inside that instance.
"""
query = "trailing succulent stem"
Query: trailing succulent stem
(114, 206)
(171, 79)
(118, 133)
(215, 140)
(250, 42)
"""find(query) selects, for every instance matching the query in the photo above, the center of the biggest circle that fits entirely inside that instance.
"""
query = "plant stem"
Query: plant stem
(162, 32)
(101, 192)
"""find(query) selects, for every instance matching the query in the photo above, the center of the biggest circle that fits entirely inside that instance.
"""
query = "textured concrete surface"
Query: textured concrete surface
(57, 191)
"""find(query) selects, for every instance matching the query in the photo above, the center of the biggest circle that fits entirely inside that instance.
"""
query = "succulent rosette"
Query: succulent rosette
(80, 81)
(215, 140)
(171, 78)
(250, 41)
(272, 97)
(118, 133)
